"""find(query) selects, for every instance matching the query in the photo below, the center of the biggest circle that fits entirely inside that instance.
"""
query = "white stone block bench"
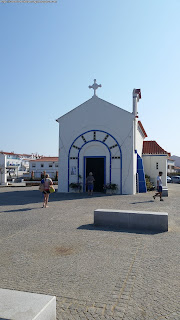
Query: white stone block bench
(134, 220)
(18, 305)
(164, 191)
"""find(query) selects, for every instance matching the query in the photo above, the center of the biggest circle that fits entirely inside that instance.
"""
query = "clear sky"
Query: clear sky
(50, 54)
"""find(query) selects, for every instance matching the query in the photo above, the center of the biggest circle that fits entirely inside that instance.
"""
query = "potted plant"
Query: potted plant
(110, 188)
(76, 186)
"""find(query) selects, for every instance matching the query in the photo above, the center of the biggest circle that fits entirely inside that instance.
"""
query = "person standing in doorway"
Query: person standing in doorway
(90, 183)
(159, 186)
(47, 183)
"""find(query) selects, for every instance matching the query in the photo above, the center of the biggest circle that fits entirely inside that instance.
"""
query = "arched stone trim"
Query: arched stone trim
(84, 142)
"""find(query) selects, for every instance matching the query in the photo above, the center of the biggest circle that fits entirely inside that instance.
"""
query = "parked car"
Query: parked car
(175, 179)
(169, 179)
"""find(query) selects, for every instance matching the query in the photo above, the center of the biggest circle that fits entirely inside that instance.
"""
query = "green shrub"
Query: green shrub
(149, 184)
(112, 186)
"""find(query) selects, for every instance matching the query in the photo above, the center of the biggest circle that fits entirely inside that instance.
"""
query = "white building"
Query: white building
(21, 161)
(155, 160)
(3, 175)
(170, 166)
(12, 165)
(100, 137)
(44, 164)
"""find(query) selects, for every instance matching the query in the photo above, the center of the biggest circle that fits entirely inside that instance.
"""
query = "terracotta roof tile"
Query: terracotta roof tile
(53, 159)
(152, 147)
(142, 128)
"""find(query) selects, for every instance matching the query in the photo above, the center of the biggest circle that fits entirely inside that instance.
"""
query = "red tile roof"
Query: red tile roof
(142, 128)
(50, 159)
(152, 147)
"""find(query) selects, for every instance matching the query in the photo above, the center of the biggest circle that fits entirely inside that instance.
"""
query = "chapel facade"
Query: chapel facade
(104, 139)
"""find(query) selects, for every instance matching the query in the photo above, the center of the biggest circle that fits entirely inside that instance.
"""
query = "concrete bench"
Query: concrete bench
(134, 220)
(18, 305)
(164, 191)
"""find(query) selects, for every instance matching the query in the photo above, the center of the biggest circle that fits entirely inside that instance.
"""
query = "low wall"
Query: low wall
(134, 220)
(164, 191)
(18, 305)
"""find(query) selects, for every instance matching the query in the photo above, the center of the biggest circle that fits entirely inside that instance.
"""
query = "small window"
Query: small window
(42, 165)
(56, 165)
(50, 165)
(34, 165)
(157, 166)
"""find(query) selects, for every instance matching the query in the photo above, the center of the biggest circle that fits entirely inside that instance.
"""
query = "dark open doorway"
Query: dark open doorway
(96, 165)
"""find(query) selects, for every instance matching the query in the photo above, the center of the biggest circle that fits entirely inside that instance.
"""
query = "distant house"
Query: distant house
(170, 166)
(3, 175)
(47, 164)
(176, 160)
(21, 161)
(12, 165)
(154, 160)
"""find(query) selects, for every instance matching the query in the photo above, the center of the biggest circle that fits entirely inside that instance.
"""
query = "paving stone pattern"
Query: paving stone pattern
(95, 273)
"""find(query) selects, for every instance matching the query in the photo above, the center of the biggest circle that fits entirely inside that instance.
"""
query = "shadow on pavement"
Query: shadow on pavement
(142, 202)
(35, 196)
(92, 227)
(16, 210)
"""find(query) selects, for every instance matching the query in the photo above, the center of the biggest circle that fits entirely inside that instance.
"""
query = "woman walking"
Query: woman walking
(47, 182)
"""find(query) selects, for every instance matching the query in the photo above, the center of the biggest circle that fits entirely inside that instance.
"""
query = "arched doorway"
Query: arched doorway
(95, 136)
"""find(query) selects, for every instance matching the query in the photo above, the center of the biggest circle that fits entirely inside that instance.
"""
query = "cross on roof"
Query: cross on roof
(95, 86)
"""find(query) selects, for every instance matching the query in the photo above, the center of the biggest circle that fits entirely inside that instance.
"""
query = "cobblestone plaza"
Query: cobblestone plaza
(95, 273)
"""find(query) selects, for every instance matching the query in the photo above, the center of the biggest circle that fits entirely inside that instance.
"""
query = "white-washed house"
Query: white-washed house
(170, 166)
(155, 160)
(37, 167)
(13, 165)
(3, 175)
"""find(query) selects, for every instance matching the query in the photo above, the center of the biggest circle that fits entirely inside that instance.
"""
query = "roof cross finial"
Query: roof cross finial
(95, 86)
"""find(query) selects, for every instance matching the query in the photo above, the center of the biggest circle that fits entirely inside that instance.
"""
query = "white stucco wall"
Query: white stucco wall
(3, 175)
(97, 114)
(36, 167)
(21, 163)
(150, 162)
(139, 141)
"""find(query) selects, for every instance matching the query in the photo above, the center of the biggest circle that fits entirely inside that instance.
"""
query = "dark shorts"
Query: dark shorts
(46, 191)
(90, 187)
(159, 189)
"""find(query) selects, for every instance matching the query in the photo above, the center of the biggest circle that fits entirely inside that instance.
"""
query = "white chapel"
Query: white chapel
(104, 139)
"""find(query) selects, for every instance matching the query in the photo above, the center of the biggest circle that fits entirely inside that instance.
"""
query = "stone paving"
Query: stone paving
(95, 273)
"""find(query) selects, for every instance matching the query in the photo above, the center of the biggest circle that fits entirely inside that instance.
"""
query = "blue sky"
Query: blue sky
(50, 54)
